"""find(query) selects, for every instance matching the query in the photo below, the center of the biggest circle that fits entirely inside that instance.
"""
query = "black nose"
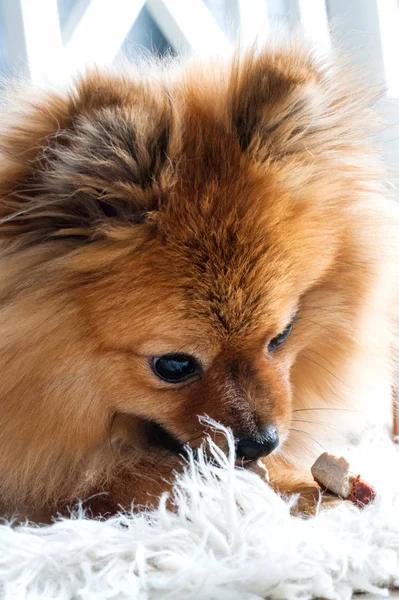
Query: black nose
(255, 446)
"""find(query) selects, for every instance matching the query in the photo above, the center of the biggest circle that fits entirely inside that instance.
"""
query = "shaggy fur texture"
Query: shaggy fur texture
(196, 210)
(230, 538)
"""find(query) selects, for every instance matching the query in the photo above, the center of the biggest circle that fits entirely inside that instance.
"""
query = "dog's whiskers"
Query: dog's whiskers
(323, 424)
(296, 447)
(308, 434)
(325, 369)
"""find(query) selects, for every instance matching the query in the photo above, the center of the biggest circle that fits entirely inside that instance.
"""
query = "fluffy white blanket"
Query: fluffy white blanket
(231, 538)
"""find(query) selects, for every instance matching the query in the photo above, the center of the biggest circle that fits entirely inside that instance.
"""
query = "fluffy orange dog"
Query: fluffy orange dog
(212, 240)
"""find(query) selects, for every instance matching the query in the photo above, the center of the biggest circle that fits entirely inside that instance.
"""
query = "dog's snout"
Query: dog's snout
(251, 447)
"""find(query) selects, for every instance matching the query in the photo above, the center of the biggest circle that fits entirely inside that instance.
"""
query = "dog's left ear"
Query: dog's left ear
(286, 102)
(73, 164)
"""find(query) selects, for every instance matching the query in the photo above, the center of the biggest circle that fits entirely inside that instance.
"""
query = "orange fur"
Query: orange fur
(195, 211)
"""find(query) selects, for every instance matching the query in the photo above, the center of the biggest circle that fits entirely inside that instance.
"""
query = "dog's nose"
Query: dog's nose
(255, 446)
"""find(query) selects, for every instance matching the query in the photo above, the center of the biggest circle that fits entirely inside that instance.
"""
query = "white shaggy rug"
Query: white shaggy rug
(232, 538)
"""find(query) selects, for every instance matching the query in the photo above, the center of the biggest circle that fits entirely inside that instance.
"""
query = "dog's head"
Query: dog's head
(170, 249)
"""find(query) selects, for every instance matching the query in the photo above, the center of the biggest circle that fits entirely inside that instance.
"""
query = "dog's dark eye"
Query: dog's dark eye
(280, 338)
(175, 368)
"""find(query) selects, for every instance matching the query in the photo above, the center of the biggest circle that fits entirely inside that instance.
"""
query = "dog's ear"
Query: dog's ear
(70, 164)
(287, 102)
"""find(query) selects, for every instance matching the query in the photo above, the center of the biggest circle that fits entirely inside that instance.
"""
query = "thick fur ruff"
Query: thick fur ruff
(200, 210)
(230, 538)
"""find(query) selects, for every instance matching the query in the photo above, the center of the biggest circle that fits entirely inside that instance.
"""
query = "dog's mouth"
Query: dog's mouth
(244, 462)
(158, 437)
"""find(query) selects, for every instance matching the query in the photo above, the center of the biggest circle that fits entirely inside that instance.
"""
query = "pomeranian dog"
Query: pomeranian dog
(213, 239)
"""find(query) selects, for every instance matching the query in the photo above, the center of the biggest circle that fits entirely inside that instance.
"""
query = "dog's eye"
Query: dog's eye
(280, 338)
(175, 368)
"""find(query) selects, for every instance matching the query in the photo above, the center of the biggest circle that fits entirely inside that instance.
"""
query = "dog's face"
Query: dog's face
(202, 315)
(180, 248)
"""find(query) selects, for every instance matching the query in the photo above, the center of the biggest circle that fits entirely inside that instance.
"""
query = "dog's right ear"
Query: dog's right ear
(287, 102)
(71, 163)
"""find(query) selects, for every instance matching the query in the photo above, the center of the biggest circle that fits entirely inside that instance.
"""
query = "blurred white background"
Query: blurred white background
(49, 40)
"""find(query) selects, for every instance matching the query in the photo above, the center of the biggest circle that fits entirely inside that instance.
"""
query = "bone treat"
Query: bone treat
(334, 474)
